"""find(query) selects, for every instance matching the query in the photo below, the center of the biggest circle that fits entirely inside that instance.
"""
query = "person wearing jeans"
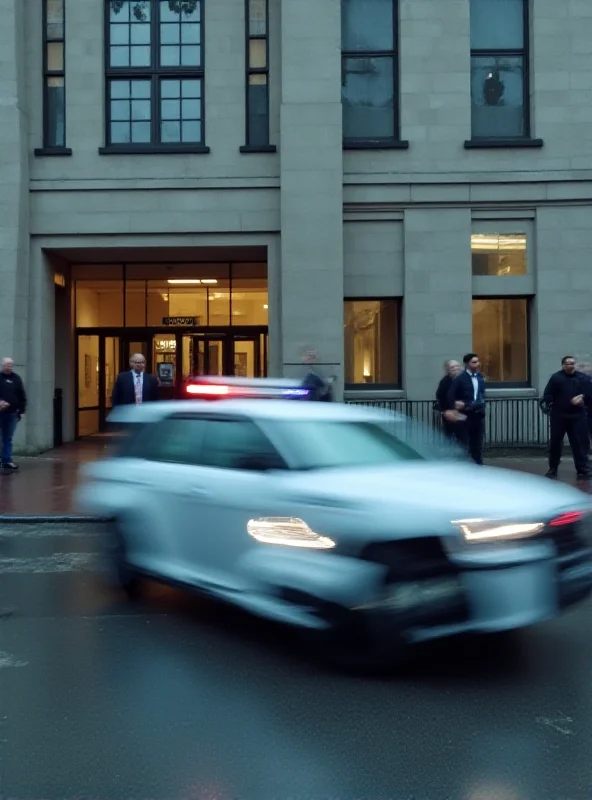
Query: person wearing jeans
(13, 404)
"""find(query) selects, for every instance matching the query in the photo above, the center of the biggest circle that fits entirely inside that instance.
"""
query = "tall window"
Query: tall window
(499, 69)
(54, 76)
(501, 338)
(372, 335)
(369, 80)
(257, 77)
(155, 69)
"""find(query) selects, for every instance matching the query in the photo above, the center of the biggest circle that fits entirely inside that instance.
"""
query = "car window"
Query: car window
(238, 444)
(175, 439)
(324, 444)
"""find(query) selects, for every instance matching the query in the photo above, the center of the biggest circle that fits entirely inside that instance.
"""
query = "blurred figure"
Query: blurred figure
(565, 398)
(13, 404)
(320, 389)
(451, 419)
(467, 394)
(135, 385)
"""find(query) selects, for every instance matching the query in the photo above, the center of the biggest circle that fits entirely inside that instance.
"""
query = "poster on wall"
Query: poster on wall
(166, 373)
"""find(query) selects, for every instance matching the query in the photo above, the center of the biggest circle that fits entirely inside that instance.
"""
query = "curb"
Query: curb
(37, 519)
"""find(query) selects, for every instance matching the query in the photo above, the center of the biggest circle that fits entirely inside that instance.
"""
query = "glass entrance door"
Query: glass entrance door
(246, 357)
(204, 354)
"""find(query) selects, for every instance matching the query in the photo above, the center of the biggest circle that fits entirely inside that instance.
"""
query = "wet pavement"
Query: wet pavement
(45, 485)
(174, 698)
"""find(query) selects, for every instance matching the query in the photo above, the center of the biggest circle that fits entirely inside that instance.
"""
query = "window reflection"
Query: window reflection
(500, 337)
(371, 342)
(99, 304)
(498, 254)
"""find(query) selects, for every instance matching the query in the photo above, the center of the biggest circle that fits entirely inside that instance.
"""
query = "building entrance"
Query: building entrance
(102, 355)
(186, 319)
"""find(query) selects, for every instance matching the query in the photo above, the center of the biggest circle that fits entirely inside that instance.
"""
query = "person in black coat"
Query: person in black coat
(450, 425)
(135, 386)
(565, 398)
(13, 404)
(467, 395)
(318, 387)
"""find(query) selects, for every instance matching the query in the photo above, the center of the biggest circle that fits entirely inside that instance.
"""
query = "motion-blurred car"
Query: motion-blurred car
(337, 519)
(214, 387)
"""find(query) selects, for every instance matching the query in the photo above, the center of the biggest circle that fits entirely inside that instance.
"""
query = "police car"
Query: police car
(338, 520)
(222, 387)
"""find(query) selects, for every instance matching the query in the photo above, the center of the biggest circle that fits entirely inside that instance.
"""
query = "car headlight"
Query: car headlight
(491, 530)
(288, 531)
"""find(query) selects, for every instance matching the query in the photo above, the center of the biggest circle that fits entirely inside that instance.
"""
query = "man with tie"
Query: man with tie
(467, 394)
(135, 386)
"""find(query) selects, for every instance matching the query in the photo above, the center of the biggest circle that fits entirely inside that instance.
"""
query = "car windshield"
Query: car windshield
(323, 445)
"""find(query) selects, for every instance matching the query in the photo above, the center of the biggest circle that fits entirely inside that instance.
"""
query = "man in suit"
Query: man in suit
(450, 424)
(467, 394)
(135, 386)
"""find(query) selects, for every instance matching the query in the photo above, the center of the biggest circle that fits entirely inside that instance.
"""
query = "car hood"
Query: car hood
(420, 494)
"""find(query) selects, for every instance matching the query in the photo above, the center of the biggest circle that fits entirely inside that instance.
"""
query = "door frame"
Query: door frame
(146, 335)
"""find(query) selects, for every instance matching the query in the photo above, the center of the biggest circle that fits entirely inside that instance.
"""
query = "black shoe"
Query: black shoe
(552, 473)
(10, 465)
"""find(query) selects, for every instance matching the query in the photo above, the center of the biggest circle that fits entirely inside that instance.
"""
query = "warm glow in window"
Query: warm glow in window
(500, 337)
(371, 342)
(498, 254)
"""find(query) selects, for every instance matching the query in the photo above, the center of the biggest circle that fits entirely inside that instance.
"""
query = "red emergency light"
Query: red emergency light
(208, 389)
(569, 518)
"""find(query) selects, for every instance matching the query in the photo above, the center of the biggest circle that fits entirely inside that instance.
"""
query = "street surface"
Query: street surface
(177, 699)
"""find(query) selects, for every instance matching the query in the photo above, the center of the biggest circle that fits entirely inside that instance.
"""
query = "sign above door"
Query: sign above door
(172, 321)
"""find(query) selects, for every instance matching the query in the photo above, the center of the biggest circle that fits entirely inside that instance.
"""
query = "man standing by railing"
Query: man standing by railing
(451, 423)
(467, 394)
(565, 399)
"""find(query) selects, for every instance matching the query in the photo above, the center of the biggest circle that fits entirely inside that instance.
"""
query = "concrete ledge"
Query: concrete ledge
(64, 519)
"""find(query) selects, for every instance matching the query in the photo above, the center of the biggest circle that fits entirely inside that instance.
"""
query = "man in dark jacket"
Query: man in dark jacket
(13, 404)
(467, 395)
(135, 385)
(565, 398)
(319, 388)
(450, 424)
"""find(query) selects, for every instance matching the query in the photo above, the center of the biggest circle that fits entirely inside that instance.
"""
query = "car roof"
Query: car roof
(256, 409)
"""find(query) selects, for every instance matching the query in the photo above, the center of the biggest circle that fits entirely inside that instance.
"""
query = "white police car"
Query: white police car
(336, 519)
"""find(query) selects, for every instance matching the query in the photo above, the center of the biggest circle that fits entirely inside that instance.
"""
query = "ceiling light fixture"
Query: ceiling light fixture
(183, 280)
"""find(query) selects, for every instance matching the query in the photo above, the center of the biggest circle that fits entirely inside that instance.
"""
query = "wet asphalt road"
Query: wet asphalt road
(176, 699)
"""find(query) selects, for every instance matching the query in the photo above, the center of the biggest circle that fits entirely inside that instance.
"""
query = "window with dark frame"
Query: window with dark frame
(372, 330)
(155, 75)
(54, 75)
(500, 99)
(257, 74)
(369, 71)
(501, 337)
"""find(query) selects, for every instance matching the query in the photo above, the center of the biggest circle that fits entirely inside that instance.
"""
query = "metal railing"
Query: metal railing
(509, 422)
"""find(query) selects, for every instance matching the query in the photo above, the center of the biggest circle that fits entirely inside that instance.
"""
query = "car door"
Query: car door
(235, 488)
(161, 468)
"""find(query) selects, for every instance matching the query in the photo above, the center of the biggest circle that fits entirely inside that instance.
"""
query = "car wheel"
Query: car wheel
(351, 645)
(119, 573)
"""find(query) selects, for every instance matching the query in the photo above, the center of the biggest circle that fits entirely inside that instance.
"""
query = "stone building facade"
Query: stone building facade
(401, 181)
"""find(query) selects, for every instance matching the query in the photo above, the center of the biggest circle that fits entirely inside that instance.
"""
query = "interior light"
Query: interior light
(209, 280)
(266, 306)
(184, 280)
(287, 531)
(489, 530)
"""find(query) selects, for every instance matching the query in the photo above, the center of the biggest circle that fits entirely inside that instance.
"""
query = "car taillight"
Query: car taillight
(569, 518)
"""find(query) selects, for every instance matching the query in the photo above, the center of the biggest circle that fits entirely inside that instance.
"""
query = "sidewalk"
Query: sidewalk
(44, 485)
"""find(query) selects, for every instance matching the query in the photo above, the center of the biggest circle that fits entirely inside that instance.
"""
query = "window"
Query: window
(500, 337)
(174, 440)
(155, 86)
(369, 83)
(372, 329)
(54, 76)
(257, 77)
(498, 254)
(237, 444)
(499, 69)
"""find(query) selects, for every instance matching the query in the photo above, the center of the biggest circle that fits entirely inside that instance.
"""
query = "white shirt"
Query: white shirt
(475, 382)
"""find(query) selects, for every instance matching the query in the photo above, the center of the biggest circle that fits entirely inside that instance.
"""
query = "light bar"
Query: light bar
(212, 390)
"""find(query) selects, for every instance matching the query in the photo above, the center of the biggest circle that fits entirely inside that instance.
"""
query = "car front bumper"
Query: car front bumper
(472, 598)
